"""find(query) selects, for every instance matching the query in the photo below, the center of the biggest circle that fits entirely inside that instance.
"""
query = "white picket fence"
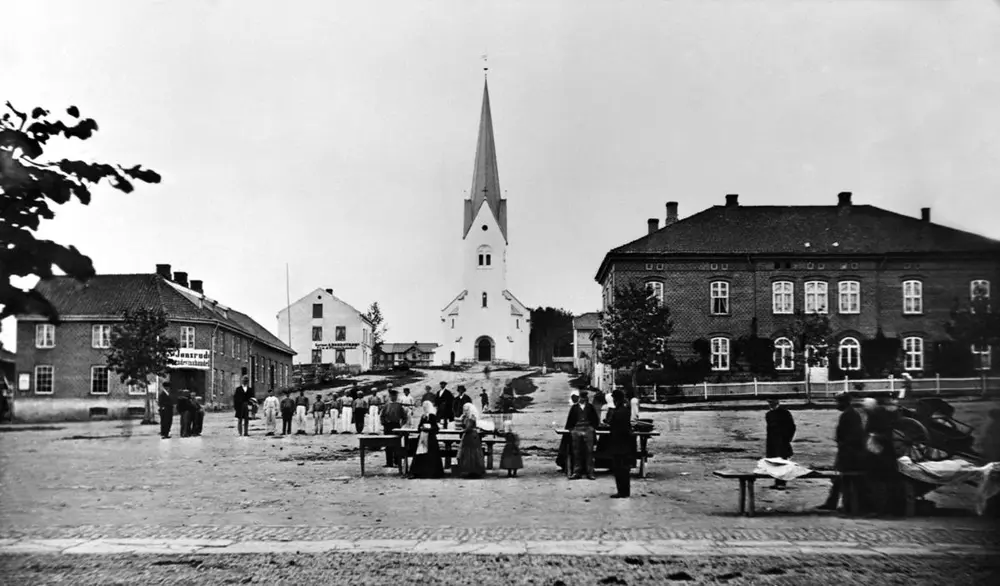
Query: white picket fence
(823, 390)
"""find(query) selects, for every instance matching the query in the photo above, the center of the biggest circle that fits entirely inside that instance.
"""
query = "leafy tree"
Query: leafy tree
(550, 327)
(29, 186)
(379, 329)
(636, 330)
(758, 352)
(976, 324)
(140, 348)
(813, 338)
(880, 355)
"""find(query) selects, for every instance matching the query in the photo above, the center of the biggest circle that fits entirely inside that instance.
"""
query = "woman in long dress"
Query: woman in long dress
(427, 460)
(471, 462)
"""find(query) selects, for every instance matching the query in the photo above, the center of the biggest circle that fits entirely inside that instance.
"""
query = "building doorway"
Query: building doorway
(484, 349)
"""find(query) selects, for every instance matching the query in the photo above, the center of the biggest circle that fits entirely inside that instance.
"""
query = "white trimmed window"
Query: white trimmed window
(816, 297)
(44, 375)
(99, 380)
(187, 336)
(340, 357)
(849, 353)
(981, 356)
(317, 332)
(340, 333)
(913, 297)
(720, 353)
(913, 353)
(720, 297)
(784, 354)
(45, 336)
(979, 287)
(317, 356)
(782, 298)
(655, 290)
(100, 336)
(849, 296)
(485, 254)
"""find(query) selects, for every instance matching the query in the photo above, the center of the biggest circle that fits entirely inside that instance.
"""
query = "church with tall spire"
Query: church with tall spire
(485, 322)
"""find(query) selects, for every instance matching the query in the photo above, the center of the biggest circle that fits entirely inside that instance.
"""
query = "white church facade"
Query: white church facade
(485, 322)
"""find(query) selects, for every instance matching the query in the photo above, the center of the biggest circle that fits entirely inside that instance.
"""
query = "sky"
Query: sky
(337, 138)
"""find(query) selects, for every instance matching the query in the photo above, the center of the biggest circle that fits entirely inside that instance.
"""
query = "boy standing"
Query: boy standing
(319, 413)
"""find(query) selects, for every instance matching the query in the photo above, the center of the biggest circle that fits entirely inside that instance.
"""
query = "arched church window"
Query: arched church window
(481, 259)
(485, 255)
(484, 299)
(487, 260)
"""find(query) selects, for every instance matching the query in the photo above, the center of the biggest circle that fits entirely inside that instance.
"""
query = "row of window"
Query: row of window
(848, 354)
(340, 333)
(99, 379)
(815, 296)
(339, 357)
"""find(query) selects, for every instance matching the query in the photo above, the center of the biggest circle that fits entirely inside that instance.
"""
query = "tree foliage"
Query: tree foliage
(975, 323)
(549, 325)
(811, 331)
(756, 351)
(140, 348)
(29, 189)
(636, 329)
(880, 355)
(379, 329)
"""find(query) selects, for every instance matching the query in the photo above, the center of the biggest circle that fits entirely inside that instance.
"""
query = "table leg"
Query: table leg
(447, 453)
(911, 499)
(569, 460)
(750, 490)
(489, 455)
(642, 457)
(852, 496)
(361, 449)
(743, 496)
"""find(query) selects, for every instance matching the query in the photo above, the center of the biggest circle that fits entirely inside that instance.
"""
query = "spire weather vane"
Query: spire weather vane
(486, 65)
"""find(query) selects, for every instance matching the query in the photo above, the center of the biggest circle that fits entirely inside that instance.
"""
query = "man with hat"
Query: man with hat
(242, 397)
(780, 430)
(392, 415)
(301, 409)
(850, 438)
(165, 402)
(360, 406)
(287, 412)
(271, 408)
(443, 402)
(582, 423)
(566, 443)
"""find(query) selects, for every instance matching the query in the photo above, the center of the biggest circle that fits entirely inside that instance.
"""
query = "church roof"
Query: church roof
(485, 176)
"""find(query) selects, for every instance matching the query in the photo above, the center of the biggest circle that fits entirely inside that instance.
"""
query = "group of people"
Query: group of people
(189, 406)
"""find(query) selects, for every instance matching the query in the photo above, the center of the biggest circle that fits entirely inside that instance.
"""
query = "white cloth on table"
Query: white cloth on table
(943, 472)
(780, 468)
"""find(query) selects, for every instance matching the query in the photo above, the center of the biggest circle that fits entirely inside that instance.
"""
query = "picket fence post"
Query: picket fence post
(892, 386)
(937, 383)
(705, 385)
(754, 386)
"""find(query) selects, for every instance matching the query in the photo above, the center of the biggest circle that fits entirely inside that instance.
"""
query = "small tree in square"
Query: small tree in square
(813, 337)
(636, 329)
(374, 315)
(139, 349)
(976, 325)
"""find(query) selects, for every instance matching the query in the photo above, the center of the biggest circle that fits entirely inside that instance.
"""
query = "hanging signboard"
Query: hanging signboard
(336, 346)
(191, 358)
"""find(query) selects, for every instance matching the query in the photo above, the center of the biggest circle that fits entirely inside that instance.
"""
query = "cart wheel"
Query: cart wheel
(909, 438)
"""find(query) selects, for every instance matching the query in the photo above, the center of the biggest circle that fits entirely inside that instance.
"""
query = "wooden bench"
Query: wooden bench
(642, 453)
(488, 443)
(747, 479)
(389, 442)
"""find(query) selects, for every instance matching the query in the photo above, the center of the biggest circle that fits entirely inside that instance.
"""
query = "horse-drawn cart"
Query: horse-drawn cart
(928, 431)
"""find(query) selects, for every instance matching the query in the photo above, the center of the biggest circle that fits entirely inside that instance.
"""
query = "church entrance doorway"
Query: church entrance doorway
(484, 349)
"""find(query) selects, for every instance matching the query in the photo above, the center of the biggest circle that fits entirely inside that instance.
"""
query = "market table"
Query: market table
(643, 453)
(389, 442)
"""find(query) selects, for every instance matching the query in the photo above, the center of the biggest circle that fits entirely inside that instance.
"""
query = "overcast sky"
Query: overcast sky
(339, 137)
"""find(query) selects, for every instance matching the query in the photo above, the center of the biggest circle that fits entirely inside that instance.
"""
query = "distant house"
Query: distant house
(62, 371)
(327, 330)
(410, 353)
(583, 348)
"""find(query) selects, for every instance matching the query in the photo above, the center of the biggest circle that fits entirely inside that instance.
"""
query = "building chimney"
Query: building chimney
(925, 214)
(163, 271)
(196, 286)
(654, 224)
(330, 291)
(732, 200)
(671, 213)
(181, 278)
(844, 198)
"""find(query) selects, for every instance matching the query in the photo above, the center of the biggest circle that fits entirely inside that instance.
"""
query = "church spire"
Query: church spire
(485, 176)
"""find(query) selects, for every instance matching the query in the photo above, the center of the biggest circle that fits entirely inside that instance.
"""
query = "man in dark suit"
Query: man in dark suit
(444, 404)
(184, 410)
(582, 424)
(850, 437)
(165, 402)
(780, 431)
(242, 397)
(621, 446)
(460, 400)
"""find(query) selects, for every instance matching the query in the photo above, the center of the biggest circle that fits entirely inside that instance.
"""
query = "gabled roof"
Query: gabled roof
(400, 347)
(587, 321)
(329, 294)
(485, 175)
(7, 356)
(801, 230)
(107, 296)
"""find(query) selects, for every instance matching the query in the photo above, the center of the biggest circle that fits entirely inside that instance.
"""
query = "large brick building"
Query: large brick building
(730, 268)
(61, 369)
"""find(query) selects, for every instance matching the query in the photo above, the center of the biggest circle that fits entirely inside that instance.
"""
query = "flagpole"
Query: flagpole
(288, 306)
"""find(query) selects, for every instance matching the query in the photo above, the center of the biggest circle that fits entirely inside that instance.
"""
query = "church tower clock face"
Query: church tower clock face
(485, 322)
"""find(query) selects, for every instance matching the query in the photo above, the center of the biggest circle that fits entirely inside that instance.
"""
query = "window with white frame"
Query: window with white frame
(45, 336)
(913, 353)
(100, 336)
(782, 299)
(849, 354)
(99, 380)
(720, 297)
(913, 297)
(655, 289)
(485, 254)
(784, 354)
(340, 333)
(979, 288)
(720, 353)
(849, 296)
(981, 356)
(317, 356)
(816, 297)
(340, 357)
(187, 336)
(44, 375)
(317, 332)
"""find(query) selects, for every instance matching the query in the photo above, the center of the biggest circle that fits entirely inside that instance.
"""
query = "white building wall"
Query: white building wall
(335, 313)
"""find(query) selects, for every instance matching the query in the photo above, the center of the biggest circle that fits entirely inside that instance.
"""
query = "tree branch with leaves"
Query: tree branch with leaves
(636, 328)
(140, 349)
(379, 329)
(975, 324)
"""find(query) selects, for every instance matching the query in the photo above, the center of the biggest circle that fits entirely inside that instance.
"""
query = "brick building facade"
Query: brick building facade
(730, 269)
(61, 369)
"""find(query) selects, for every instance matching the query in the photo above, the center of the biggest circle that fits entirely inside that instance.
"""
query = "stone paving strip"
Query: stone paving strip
(665, 547)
